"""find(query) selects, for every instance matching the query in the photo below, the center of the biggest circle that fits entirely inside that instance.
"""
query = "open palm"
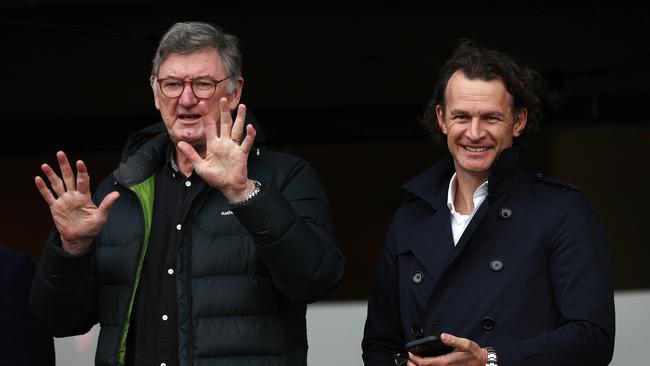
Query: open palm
(226, 158)
(75, 216)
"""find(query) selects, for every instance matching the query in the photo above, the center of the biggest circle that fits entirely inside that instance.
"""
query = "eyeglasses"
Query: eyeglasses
(202, 88)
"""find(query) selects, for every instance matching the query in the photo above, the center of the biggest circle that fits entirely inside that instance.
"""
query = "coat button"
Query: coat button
(418, 277)
(416, 331)
(505, 213)
(496, 265)
(487, 323)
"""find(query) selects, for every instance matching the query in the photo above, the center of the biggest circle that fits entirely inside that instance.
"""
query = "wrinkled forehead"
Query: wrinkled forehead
(202, 62)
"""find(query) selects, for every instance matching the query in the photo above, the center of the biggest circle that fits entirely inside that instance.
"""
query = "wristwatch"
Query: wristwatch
(258, 189)
(492, 359)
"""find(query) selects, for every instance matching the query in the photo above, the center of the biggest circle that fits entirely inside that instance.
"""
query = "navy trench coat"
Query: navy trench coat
(530, 276)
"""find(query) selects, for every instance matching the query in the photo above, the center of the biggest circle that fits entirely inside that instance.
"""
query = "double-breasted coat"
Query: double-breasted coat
(530, 276)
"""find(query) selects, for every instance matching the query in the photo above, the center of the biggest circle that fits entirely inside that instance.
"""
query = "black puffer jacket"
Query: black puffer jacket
(244, 279)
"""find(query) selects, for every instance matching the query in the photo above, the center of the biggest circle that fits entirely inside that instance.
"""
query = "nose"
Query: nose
(187, 98)
(475, 130)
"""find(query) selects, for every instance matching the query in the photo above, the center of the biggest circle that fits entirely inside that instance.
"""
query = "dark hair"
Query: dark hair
(521, 82)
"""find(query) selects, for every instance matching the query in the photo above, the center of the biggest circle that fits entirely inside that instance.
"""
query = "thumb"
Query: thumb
(108, 202)
(461, 344)
(189, 152)
(450, 340)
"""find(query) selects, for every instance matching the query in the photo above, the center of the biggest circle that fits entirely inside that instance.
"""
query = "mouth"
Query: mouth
(475, 149)
(189, 117)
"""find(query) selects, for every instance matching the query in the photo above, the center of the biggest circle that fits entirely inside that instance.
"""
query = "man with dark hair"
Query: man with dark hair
(503, 266)
(202, 248)
(24, 338)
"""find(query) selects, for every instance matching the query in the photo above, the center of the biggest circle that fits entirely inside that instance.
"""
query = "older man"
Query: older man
(503, 266)
(201, 248)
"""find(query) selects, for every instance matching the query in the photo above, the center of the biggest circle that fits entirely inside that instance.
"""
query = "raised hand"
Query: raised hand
(75, 216)
(225, 165)
(466, 352)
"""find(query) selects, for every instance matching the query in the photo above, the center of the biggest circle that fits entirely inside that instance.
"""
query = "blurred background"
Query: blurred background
(341, 85)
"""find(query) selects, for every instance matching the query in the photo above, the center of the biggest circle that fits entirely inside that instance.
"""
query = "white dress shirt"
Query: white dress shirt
(458, 221)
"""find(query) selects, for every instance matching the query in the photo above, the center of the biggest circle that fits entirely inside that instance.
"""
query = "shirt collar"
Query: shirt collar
(479, 194)
(171, 159)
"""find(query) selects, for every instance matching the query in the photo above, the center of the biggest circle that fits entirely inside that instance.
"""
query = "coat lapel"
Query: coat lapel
(432, 245)
(465, 239)
(431, 242)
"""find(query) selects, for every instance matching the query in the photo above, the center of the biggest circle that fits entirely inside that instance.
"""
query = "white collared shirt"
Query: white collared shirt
(459, 222)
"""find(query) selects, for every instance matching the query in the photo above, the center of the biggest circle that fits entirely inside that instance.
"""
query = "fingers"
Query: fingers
(465, 352)
(226, 119)
(250, 138)
(68, 183)
(238, 126)
(228, 129)
(66, 171)
(83, 179)
(45, 192)
(415, 360)
(209, 124)
(468, 349)
(56, 182)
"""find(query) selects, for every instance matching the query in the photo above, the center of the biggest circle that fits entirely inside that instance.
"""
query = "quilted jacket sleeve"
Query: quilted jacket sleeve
(64, 290)
(291, 224)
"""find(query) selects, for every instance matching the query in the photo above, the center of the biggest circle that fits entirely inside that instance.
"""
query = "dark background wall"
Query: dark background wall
(341, 85)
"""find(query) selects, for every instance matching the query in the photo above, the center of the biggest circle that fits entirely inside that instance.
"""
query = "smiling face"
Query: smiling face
(182, 115)
(479, 123)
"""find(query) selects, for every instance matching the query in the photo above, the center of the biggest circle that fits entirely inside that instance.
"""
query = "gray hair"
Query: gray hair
(189, 37)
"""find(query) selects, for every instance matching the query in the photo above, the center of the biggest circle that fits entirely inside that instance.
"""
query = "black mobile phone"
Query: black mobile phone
(428, 347)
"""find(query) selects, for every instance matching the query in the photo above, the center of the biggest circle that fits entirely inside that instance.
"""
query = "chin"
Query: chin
(477, 168)
(190, 134)
(197, 144)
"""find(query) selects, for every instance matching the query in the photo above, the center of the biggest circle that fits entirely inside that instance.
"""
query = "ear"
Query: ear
(153, 83)
(520, 122)
(235, 96)
(440, 115)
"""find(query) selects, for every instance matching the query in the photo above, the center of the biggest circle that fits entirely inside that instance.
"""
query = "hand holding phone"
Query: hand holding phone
(428, 347)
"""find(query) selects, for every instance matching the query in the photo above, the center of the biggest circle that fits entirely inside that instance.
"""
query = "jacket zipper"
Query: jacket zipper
(136, 279)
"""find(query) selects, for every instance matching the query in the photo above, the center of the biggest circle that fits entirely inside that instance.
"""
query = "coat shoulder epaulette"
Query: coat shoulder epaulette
(557, 183)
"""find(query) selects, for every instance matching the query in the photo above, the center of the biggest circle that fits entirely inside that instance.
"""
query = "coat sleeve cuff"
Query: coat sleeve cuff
(266, 217)
(61, 269)
(281, 237)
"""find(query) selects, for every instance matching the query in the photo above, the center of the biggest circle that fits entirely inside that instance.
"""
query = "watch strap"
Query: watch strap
(492, 359)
